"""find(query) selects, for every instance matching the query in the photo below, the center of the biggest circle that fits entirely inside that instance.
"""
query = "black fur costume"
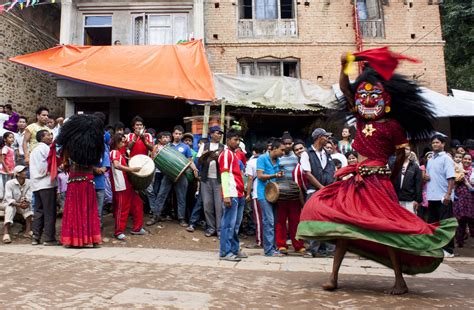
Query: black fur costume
(82, 140)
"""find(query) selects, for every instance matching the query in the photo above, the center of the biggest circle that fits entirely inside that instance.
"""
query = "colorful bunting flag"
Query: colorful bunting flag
(6, 7)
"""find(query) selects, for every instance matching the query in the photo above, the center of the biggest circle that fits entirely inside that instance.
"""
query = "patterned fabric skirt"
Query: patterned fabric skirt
(364, 209)
(81, 224)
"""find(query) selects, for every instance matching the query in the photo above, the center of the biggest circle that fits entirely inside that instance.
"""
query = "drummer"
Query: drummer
(163, 138)
(126, 200)
(268, 169)
(139, 142)
(180, 186)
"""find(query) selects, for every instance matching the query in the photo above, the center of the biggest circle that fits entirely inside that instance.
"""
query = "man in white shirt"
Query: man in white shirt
(18, 200)
(44, 191)
(319, 169)
(251, 172)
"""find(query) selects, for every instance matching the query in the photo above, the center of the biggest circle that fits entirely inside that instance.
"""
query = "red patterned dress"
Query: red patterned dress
(364, 208)
(81, 224)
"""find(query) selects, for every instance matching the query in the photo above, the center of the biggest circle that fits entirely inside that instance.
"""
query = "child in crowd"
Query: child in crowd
(62, 188)
(458, 168)
(125, 200)
(7, 159)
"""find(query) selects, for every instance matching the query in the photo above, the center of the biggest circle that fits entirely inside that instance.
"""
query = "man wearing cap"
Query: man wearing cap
(319, 169)
(18, 196)
(210, 181)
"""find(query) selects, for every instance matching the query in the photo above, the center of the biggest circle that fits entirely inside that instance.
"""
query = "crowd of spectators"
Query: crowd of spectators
(229, 183)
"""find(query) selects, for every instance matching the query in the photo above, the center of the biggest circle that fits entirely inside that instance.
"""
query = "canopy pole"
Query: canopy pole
(223, 118)
(205, 124)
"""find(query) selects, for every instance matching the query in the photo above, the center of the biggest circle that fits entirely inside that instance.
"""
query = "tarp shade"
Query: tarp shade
(272, 92)
(445, 106)
(178, 71)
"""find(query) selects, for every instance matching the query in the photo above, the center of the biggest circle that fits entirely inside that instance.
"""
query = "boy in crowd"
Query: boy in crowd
(234, 199)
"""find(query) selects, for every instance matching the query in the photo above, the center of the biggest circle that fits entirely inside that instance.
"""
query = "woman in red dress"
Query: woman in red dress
(82, 146)
(361, 212)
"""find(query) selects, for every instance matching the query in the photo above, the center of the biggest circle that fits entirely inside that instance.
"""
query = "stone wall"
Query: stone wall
(27, 31)
(325, 31)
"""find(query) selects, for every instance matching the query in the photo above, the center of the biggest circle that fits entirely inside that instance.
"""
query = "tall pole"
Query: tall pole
(223, 117)
(205, 121)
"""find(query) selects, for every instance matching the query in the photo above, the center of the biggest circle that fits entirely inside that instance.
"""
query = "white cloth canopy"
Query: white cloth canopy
(446, 106)
(272, 92)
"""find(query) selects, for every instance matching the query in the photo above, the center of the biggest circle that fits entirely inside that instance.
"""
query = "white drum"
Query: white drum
(142, 179)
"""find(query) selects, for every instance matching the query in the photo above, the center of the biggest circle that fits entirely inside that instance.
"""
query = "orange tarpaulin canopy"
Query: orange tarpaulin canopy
(178, 71)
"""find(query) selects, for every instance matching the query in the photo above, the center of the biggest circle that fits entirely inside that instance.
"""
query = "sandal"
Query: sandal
(6, 238)
(28, 235)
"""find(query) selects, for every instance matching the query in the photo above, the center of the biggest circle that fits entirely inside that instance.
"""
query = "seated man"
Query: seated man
(17, 200)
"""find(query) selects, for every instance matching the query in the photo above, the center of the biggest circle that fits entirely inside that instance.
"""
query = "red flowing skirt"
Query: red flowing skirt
(365, 210)
(81, 223)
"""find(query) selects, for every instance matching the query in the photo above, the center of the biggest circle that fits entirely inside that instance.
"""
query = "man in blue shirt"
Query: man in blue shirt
(101, 169)
(181, 185)
(268, 170)
(439, 188)
(99, 177)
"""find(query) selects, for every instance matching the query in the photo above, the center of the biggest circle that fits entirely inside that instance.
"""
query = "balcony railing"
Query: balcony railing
(372, 28)
(252, 28)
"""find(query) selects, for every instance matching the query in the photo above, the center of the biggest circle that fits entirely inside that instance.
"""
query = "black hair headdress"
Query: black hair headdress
(413, 112)
(82, 139)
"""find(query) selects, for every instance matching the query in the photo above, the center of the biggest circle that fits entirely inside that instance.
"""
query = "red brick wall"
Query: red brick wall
(325, 32)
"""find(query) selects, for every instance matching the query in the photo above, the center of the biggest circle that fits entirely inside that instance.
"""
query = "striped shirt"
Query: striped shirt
(231, 175)
(288, 164)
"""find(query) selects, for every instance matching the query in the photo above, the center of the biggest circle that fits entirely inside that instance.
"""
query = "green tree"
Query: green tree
(457, 20)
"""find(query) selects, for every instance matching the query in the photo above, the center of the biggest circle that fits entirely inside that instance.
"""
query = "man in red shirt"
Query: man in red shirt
(139, 142)
(234, 199)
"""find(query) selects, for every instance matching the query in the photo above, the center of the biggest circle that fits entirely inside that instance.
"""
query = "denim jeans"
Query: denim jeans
(196, 213)
(154, 189)
(268, 221)
(100, 196)
(212, 199)
(230, 225)
(180, 187)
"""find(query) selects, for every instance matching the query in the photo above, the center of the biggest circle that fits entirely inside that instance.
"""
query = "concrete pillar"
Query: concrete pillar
(198, 19)
(65, 36)
(70, 108)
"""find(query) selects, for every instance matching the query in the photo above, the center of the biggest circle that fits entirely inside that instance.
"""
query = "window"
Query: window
(266, 9)
(98, 30)
(159, 28)
(266, 18)
(370, 18)
(269, 67)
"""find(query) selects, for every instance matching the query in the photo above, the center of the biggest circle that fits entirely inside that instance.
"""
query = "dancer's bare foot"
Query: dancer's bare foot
(331, 285)
(398, 289)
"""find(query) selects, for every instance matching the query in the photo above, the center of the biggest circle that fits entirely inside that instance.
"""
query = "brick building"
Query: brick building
(305, 38)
